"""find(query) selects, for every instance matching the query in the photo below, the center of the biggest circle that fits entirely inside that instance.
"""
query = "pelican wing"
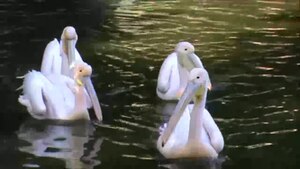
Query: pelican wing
(215, 135)
(52, 60)
(77, 56)
(164, 76)
(34, 94)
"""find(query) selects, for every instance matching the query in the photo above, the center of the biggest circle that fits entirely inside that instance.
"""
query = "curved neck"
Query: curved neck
(196, 121)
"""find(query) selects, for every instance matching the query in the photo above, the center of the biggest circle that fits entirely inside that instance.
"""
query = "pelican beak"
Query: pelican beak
(71, 51)
(209, 86)
(94, 99)
(78, 82)
(187, 96)
(195, 60)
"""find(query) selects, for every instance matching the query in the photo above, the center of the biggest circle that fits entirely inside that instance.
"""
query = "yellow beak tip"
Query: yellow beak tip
(79, 82)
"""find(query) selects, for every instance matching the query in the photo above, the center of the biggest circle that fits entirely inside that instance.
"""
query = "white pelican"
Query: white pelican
(191, 131)
(174, 72)
(56, 96)
(59, 58)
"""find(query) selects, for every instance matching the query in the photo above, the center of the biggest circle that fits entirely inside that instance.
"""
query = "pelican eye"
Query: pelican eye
(185, 49)
(198, 77)
(80, 70)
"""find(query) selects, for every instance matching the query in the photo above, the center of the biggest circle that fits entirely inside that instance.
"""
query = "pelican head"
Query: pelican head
(184, 48)
(196, 89)
(69, 33)
(185, 51)
(81, 71)
(69, 38)
(198, 82)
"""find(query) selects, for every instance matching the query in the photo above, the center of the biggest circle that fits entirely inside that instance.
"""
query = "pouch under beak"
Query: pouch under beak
(93, 97)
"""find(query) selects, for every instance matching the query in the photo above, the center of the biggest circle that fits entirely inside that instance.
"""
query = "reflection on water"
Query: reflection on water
(67, 142)
(203, 163)
(250, 49)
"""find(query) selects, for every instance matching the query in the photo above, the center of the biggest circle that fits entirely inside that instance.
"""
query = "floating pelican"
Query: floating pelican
(174, 72)
(191, 131)
(56, 96)
(59, 58)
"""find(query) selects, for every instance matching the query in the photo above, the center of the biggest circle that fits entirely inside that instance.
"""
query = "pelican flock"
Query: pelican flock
(191, 131)
(63, 88)
(174, 72)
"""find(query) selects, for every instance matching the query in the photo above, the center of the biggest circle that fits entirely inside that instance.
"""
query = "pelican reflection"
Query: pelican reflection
(72, 142)
(194, 163)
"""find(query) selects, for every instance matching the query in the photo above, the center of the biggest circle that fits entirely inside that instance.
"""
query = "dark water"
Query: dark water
(250, 48)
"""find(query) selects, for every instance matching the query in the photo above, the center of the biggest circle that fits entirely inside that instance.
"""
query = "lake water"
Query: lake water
(251, 50)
